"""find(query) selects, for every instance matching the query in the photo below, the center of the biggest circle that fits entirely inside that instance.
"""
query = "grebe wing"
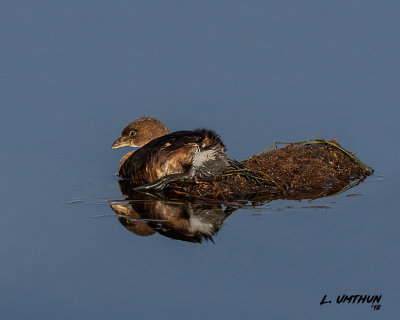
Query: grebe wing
(174, 148)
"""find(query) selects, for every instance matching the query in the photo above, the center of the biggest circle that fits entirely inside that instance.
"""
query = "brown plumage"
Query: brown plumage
(139, 132)
(165, 157)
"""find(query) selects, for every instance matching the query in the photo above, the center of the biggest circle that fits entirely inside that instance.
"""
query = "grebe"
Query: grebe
(165, 157)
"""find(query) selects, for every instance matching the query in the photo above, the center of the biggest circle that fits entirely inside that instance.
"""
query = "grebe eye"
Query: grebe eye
(132, 134)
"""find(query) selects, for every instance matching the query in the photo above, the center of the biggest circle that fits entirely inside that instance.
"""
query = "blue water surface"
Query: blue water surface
(74, 73)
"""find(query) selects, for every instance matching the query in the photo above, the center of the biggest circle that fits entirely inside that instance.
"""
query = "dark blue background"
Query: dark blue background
(74, 73)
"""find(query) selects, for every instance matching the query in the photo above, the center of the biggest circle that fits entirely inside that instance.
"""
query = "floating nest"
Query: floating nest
(300, 170)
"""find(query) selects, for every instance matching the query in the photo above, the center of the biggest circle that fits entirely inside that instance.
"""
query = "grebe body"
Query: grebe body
(165, 157)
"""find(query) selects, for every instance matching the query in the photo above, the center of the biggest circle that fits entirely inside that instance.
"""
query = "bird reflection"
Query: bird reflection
(181, 219)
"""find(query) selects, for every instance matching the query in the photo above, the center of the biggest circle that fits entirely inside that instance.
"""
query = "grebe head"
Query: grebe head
(140, 132)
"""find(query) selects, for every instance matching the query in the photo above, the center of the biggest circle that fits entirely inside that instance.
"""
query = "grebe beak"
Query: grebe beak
(121, 142)
(119, 209)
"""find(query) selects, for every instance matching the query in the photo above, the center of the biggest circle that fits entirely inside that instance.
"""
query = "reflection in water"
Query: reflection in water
(170, 215)
(190, 219)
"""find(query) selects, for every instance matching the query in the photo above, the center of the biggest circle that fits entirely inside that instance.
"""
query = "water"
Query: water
(74, 74)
